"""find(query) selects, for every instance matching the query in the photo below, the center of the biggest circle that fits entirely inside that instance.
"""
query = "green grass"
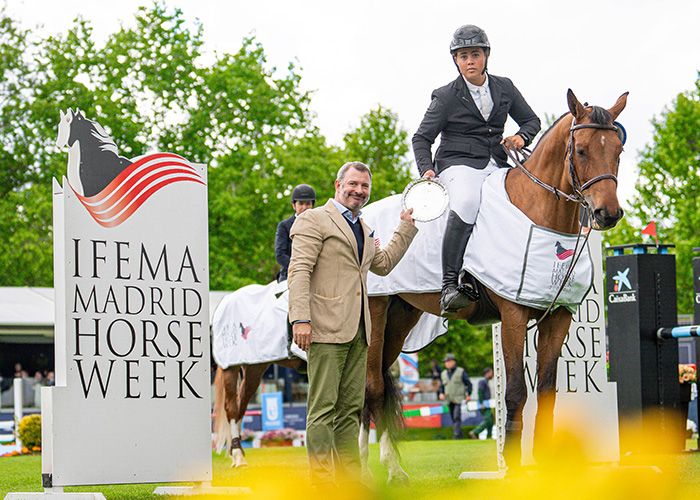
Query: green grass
(434, 467)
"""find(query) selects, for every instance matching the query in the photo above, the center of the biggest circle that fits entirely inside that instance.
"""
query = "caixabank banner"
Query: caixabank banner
(131, 277)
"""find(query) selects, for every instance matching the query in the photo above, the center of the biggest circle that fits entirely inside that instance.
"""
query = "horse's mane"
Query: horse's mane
(598, 115)
(99, 133)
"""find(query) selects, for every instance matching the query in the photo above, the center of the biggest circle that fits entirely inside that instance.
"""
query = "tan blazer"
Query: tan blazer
(327, 284)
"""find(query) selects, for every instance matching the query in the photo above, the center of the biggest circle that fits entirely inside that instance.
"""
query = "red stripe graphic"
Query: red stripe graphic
(565, 254)
(138, 182)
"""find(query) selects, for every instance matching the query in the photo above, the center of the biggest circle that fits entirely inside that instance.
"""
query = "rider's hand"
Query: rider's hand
(514, 142)
(441, 397)
(407, 216)
(302, 335)
(429, 174)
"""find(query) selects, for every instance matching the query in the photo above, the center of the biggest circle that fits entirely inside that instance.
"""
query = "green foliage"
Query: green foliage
(471, 346)
(668, 187)
(151, 89)
(382, 144)
(30, 431)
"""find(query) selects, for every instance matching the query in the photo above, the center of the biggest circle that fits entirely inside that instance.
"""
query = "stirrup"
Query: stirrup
(469, 291)
(467, 286)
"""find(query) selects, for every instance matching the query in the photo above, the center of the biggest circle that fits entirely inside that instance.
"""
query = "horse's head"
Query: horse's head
(67, 127)
(593, 157)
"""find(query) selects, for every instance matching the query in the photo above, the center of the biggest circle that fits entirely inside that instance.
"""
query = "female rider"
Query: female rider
(469, 114)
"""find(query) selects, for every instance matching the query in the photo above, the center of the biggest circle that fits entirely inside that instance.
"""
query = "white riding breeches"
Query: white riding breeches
(463, 185)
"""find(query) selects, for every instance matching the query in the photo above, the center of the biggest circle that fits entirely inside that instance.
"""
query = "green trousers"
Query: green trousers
(337, 374)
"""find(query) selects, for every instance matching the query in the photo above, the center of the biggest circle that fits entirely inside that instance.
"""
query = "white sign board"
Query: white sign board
(132, 396)
(586, 403)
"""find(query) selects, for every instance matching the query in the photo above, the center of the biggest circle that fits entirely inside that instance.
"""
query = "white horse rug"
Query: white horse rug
(507, 252)
(250, 326)
(521, 261)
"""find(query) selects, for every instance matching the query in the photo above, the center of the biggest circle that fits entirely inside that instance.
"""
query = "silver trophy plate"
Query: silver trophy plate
(427, 198)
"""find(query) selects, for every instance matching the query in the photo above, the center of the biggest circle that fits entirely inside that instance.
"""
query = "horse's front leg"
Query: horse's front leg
(514, 326)
(234, 415)
(553, 331)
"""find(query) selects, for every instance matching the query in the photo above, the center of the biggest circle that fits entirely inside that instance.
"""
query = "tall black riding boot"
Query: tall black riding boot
(454, 243)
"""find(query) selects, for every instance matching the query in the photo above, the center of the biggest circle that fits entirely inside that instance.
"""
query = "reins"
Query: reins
(576, 197)
(578, 188)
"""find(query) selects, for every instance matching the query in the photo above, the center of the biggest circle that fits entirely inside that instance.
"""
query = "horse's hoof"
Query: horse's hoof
(399, 479)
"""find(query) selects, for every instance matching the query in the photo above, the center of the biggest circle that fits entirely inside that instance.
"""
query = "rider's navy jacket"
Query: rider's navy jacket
(283, 246)
(468, 139)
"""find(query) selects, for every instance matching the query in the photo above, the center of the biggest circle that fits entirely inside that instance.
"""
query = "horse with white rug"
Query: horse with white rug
(572, 170)
(249, 333)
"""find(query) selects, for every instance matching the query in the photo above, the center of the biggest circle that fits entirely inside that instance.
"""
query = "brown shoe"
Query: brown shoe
(472, 435)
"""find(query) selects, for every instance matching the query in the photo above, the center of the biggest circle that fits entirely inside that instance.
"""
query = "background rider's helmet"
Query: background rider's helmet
(468, 36)
(303, 192)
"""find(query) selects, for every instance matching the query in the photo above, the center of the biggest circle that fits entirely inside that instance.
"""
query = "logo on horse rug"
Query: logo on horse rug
(561, 252)
(245, 331)
(109, 186)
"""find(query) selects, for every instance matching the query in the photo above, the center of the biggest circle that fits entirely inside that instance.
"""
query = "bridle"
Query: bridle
(576, 197)
(578, 188)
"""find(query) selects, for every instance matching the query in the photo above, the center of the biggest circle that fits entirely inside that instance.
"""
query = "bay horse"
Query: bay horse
(578, 158)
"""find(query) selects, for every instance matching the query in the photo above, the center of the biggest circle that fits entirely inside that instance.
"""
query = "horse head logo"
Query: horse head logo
(109, 186)
(93, 159)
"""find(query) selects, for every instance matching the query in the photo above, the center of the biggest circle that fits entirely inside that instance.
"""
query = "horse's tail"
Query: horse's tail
(393, 408)
(222, 427)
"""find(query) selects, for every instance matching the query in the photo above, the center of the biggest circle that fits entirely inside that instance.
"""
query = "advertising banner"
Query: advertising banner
(131, 277)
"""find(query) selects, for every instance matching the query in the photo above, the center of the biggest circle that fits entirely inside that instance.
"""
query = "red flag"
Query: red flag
(651, 231)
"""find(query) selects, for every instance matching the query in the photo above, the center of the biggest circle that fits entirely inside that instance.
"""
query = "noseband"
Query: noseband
(578, 188)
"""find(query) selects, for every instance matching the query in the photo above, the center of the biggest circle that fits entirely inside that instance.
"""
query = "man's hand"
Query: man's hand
(302, 335)
(514, 142)
(407, 216)
(429, 174)
(441, 397)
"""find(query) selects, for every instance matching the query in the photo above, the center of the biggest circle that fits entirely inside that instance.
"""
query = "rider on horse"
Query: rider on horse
(469, 114)
(303, 198)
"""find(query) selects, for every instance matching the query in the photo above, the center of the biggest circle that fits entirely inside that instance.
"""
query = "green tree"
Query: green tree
(472, 346)
(381, 143)
(149, 87)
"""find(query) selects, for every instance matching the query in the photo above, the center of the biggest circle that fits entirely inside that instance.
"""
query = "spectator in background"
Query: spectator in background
(51, 379)
(456, 387)
(18, 370)
(484, 392)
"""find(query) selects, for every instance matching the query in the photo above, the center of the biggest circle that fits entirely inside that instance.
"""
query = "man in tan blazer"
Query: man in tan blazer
(332, 251)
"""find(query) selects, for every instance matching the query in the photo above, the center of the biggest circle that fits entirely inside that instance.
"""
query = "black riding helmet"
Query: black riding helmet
(468, 36)
(303, 192)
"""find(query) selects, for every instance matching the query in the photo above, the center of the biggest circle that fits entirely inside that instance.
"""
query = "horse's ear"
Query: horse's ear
(61, 114)
(575, 106)
(79, 113)
(618, 106)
